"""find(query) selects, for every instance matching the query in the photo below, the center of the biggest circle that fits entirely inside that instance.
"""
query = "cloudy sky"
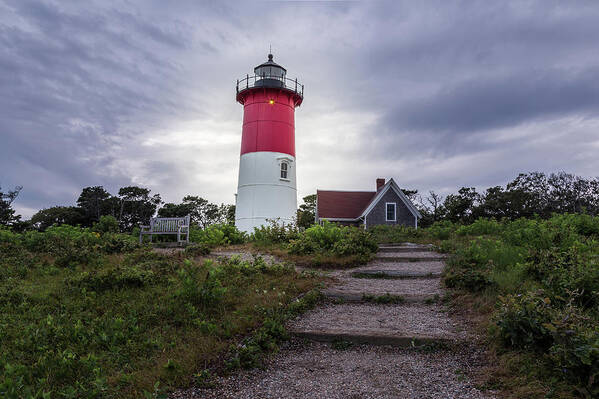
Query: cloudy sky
(436, 95)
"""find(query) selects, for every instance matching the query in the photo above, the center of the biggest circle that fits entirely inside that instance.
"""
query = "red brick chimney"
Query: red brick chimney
(379, 183)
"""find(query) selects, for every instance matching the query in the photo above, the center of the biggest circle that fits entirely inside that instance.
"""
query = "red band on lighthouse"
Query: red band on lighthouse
(269, 121)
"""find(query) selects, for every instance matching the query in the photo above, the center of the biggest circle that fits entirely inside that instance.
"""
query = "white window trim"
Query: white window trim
(394, 211)
(288, 170)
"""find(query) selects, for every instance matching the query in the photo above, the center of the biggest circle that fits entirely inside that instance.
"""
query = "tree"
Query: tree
(107, 224)
(494, 203)
(94, 203)
(411, 194)
(460, 206)
(227, 213)
(7, 213)
(58, 215)
(170, 210)
(136, 206)
(527, 195)
(306, 213)
(203, 213)
(436, 205)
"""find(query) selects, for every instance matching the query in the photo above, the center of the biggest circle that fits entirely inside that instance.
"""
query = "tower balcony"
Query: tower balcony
(269, 81)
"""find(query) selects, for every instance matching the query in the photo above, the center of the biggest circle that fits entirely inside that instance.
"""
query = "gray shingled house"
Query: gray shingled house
(387, 205)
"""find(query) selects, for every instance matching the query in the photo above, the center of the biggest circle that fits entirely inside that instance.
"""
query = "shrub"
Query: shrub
(106, 224)
(200, 285)
(469, 280)
(126, 277)
(199, 249)
(331, 239)
(575, 355)
(217, 235)
(112, 243)
(570, 338)
(524, 320)
(275, 232)
(383, 233)
(567, 271)
(481, 227)
(442, 230)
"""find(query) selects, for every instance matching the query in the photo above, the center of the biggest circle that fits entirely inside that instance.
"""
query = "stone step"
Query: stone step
(393, 274)
(424, 267)
(377, 324)
(404, 244)
(404, 287)
(310, 370)
(409, 257)
(404, 249)
(399, 341)
(364, 297)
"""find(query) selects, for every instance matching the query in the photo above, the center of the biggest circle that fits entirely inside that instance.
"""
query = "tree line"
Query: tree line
(528, 195)
(131, 207)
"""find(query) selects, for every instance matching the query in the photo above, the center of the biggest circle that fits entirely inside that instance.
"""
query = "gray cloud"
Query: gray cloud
(503, 101)
(436, 95)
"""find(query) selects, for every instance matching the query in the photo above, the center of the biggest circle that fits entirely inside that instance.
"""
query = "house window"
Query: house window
(391, 211)
(284, 170)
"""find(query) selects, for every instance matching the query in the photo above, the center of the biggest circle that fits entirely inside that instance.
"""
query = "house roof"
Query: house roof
(391, 185)
(355, 204)
(342, 204)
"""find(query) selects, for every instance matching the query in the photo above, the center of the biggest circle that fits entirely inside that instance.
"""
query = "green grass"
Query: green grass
(127, 324)
(383, 299)
(532, 286)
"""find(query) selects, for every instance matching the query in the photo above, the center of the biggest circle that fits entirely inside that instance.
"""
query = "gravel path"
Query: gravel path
(317, 371)
(403, 320)
(419, 267)
(304, 369)
(381, 286)
(244, 255)
(427, 254)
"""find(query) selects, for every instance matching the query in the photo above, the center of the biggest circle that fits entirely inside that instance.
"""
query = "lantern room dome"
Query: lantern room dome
(270, 68)
(270, 74)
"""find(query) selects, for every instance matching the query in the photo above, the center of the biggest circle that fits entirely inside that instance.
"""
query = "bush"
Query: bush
(106, 224)
(199, 249)
(469, 280)
(217, 235)
(200, 285)
(383, 233)
(481, 227)
(524, 321)
(126, 277)
(442, 230)
(274, 233)
(570, 338)
(112, 243)
(575, 355)
(331, 239)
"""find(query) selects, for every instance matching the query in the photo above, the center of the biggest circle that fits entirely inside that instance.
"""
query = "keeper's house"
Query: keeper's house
(387, 205)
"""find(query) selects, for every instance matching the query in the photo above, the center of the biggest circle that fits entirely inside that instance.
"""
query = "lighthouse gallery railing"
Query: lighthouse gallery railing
(251, 81)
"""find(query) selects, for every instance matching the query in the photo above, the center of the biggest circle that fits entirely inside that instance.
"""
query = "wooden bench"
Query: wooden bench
(178, 226)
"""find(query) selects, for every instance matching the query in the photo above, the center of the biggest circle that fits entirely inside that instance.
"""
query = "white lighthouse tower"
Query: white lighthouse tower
(267, 186)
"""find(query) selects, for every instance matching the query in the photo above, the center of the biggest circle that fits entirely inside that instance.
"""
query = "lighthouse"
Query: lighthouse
(266, 187)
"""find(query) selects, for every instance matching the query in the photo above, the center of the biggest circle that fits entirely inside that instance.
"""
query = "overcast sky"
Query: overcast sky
(436, 95)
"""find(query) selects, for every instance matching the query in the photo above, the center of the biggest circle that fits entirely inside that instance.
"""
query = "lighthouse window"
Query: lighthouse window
(284, 169)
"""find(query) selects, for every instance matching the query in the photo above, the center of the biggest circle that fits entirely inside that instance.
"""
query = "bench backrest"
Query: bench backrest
(168, 225)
